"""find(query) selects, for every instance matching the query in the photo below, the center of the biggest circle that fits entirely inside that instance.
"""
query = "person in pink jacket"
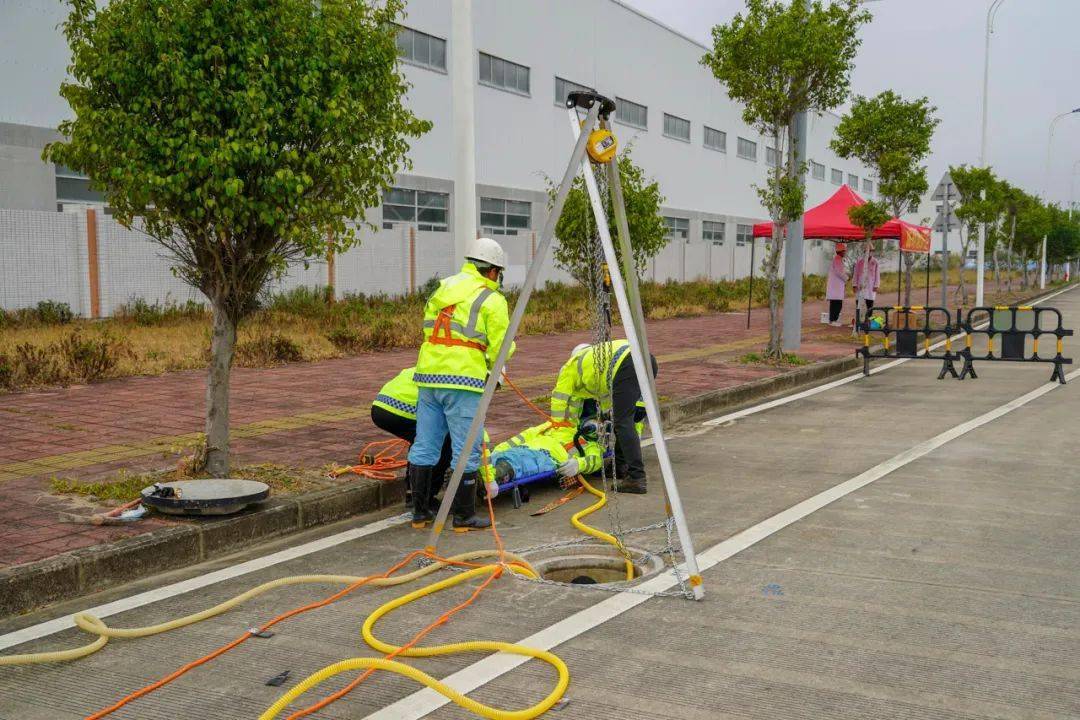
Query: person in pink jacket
(836, 285)
(866, 278)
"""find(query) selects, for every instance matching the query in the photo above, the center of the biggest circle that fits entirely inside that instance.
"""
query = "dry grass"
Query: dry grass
(126, 486)
(301, 325)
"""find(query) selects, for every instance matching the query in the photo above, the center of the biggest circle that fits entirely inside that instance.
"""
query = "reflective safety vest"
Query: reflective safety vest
(558, 442)
(580, 379)
(399, 396)
(465, 321)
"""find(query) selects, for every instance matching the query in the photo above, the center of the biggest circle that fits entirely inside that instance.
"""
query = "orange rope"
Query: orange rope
(539, 411)
(229, 646)
(442, 620)
(378, 460)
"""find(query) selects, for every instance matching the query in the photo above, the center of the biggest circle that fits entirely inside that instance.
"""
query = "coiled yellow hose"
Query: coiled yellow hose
(485, 711)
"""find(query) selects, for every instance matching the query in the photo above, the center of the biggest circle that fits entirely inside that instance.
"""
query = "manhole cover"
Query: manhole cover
(204, 497)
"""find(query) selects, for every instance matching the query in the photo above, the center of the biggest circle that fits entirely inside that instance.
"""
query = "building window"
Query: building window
(746, 149)
(632, 114)
(74, 187)
(772, 157)
(427, 210)
(715, 139)
(677, 228)
(421, 49)
(504, 217)
(868, 186)
(837, 177)
(712, 231)
(744, 234)
(853, 181)
(817, 170)
(503, 74)
(676, 127)
(565, 87)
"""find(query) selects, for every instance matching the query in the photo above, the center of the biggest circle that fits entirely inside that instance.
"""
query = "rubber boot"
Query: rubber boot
(420, 482)
(464, 507)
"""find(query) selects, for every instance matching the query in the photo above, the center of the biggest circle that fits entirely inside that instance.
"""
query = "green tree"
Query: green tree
(778, 60)
(241, 135)
(1012, 199)
(892, 136)
(1062, 240)
(977, 206)
(577, 231)
(1032, 223)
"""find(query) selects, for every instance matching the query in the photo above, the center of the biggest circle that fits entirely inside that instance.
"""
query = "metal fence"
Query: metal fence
(89, 261)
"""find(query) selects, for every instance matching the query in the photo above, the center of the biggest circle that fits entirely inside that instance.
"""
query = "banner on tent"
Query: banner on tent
(914, 239)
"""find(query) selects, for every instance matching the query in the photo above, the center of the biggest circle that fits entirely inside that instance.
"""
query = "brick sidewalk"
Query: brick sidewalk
(302, 415)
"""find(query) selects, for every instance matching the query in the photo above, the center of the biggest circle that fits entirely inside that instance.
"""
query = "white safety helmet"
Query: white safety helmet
(578, 348)
(487, 251)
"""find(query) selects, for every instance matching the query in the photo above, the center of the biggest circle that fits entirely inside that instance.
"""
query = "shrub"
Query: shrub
(36, 365)
(304, 301)
(7, 373)
(345, 338)
(54, 313)
(89, 358)
(268, 349)
(142, 312)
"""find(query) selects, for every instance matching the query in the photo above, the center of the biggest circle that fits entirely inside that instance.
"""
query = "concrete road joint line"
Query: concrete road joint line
(56, 625)
(480, 673)
(50, 627)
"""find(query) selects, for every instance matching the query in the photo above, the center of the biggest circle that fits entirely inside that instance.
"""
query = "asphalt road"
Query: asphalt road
(888, 547)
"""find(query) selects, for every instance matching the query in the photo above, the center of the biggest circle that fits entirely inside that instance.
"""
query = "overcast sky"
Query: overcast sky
(915, 47)
(935, 48)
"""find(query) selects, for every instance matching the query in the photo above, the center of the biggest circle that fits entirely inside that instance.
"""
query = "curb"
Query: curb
(28, 587)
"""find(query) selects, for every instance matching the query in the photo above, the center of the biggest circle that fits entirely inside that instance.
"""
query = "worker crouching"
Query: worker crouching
(465, 322)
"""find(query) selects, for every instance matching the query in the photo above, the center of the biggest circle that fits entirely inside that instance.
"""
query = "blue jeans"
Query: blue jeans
(525, 461)
(440, 411)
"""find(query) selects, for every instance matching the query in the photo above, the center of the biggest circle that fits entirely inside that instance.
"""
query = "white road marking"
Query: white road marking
(425, 701)
(185, 586)
(51, 627)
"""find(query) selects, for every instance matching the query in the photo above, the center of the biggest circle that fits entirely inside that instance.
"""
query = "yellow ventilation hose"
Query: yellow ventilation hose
(95, 626)
(90, 624)
(611, 539)
(485, 711)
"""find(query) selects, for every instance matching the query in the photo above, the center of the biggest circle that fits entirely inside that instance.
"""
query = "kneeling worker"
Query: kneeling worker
(465, 321)
(581, 380)
(394, 410)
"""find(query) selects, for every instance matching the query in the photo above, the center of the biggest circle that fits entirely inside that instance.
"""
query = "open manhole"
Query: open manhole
(592, 564)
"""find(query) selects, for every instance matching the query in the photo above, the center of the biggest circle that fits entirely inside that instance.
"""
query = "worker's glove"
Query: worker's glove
(492, 488)
(570, 468)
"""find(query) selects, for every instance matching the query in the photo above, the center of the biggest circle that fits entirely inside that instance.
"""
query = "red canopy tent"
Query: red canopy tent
(829, 221)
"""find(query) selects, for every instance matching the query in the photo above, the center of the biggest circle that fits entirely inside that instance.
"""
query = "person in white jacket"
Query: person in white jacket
(867, 278)
(836, 285)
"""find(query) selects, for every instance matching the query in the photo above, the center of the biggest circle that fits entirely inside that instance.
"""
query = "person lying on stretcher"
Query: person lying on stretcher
(550, 448)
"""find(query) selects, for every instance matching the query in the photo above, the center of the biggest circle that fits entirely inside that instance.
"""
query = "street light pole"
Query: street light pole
(463, 106)
(980, 262)
(1046, 188)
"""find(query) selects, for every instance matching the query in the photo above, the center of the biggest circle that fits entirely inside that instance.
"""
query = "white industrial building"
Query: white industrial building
(680, 124)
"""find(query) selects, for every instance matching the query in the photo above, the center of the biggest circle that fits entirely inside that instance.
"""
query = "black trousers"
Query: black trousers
(834, 309)
(625, 393)
(405, 429)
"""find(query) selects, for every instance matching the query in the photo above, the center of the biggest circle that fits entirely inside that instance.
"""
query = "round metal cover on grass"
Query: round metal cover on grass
(204, 497)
